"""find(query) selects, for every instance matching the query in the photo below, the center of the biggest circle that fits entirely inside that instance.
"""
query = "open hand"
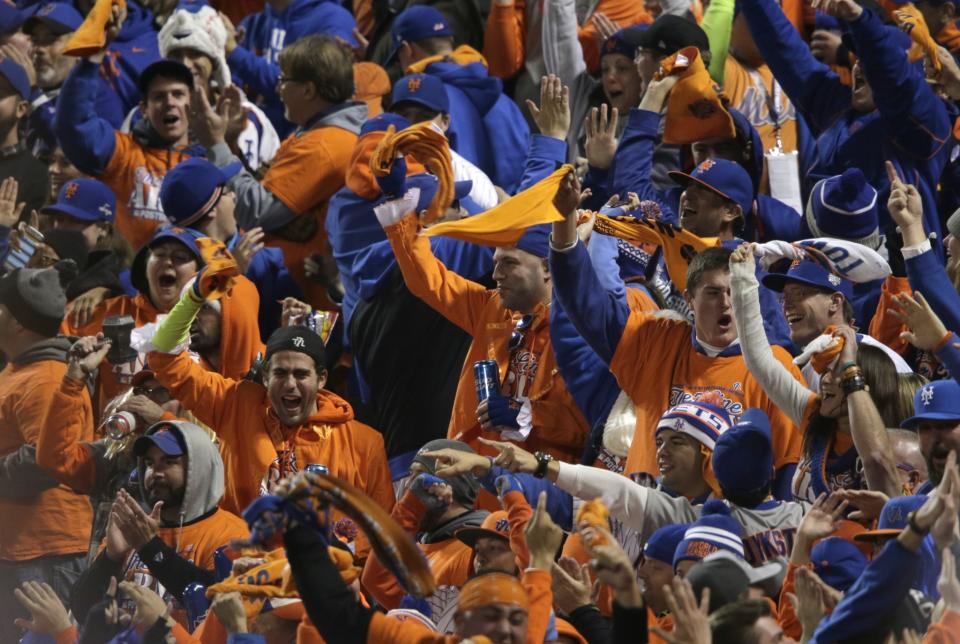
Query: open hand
(927, 331)
(601, 136)
(846, 10)
(251, 243)
(48, 616)
(553, 115)
(692, 620)
(571, 585)
(9, 208)
(150, 606)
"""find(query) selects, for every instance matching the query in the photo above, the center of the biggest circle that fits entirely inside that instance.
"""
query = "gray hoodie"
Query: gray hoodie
(204, 476)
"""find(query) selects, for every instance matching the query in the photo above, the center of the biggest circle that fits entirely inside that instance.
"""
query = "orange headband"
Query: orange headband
(491, 588)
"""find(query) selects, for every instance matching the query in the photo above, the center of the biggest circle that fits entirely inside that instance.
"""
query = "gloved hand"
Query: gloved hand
(215, 279)
(508, 483)
(503, 411)
(433, 491)
(394, 184)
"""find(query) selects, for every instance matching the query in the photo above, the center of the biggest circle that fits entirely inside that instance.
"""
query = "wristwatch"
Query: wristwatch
(543, 460)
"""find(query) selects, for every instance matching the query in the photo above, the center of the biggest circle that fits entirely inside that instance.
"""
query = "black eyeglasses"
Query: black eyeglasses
(519, 331)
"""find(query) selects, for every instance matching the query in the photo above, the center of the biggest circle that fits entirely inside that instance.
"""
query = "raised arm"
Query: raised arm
(916, 117)
(503, 39)
(88, 140)
(779, 384)
(457, 299)
(810, 84)
(717, 23)
(599, 315)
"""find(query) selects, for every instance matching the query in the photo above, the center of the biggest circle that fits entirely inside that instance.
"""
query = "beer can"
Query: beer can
(117, 425)
(486, 373)
(196, 603)
(317, 468)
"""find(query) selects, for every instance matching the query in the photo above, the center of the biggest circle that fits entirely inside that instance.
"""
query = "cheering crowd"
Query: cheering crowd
(507, 321)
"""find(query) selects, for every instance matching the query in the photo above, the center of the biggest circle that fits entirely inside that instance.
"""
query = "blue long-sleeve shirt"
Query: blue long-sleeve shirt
(87, 139)
(909, 127)
(949, 356)
(927, 274)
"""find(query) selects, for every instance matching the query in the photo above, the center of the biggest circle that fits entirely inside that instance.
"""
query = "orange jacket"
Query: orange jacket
(306, 171)
(884, 327)
(135, 174)
(505, 34)
(657, 365)
(257, 450)
(56, 521)
(385, 630)
(558, 424)
(450, 560)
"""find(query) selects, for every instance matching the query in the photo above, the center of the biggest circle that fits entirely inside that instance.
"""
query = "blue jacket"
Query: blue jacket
(910, 126)
(134, 48)
(928, 275)
(254, 61)
(486, 125)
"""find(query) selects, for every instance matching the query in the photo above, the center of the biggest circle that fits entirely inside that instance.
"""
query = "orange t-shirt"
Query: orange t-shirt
(751, 92)
(135, 174)
(56, 521)
(307, 170)
(657, 366)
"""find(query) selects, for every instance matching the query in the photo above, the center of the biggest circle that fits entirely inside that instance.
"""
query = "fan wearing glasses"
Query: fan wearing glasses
(510, 324)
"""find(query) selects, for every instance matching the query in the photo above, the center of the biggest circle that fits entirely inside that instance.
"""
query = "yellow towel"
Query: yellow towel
(694, 110)
(679, 246)
(506, 223)
(910, 20)
(91, 36)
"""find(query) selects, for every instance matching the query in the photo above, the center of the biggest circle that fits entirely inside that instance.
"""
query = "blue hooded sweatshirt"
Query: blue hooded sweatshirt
(134, 48)
(254, 61)
(910, 125)
(486, 126)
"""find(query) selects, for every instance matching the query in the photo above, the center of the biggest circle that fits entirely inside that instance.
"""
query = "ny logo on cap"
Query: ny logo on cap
(706, 165)
(105, 209)
(833, 279)
(71, 191)
(438, 26)
(926, 395)
(502, 525)
(413, 84)
(299, 342)
(678, 424)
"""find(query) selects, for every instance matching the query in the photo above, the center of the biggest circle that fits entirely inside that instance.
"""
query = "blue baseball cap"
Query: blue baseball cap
(417, 23)
(813, 273)
(192, 189)
(748, 441)
(167, 438)
(382, 122)
(938, 400)
(725, 178)
(422, 89)
(536, 240)
(625, 41)
(10, 17)
(61, 17)
(186, 236)
(16, 76)
(893, 517)
(85, 200)
(838, 562)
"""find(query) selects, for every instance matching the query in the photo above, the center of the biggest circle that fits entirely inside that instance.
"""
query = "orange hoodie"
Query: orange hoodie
(239, 331)
(56, 521)
(558, 424)
(258, 450)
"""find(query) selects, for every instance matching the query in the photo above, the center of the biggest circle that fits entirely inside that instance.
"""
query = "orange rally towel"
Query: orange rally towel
(427, 144)
(596, 515)
(219, 271)
(462, 55)
(92, 34)
(910, 20)
(827, 348)
(504, 224)
(679, 246)
(694, 110)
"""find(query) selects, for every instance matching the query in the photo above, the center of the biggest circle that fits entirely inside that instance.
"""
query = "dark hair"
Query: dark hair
(748, 499)
(712, 259)
(323, 61)
(883, 380)
(733, 623)
(436, 45)
(847, 311)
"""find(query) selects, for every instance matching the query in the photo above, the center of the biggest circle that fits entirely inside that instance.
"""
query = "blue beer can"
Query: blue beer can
(197, 605)
(487, 376)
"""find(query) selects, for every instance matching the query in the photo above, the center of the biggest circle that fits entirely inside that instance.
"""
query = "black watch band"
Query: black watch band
(543, 460)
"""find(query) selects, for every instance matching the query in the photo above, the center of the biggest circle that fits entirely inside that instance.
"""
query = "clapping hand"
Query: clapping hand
(553, 115)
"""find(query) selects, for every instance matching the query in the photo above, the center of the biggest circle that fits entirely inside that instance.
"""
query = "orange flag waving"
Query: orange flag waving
(91, 36)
